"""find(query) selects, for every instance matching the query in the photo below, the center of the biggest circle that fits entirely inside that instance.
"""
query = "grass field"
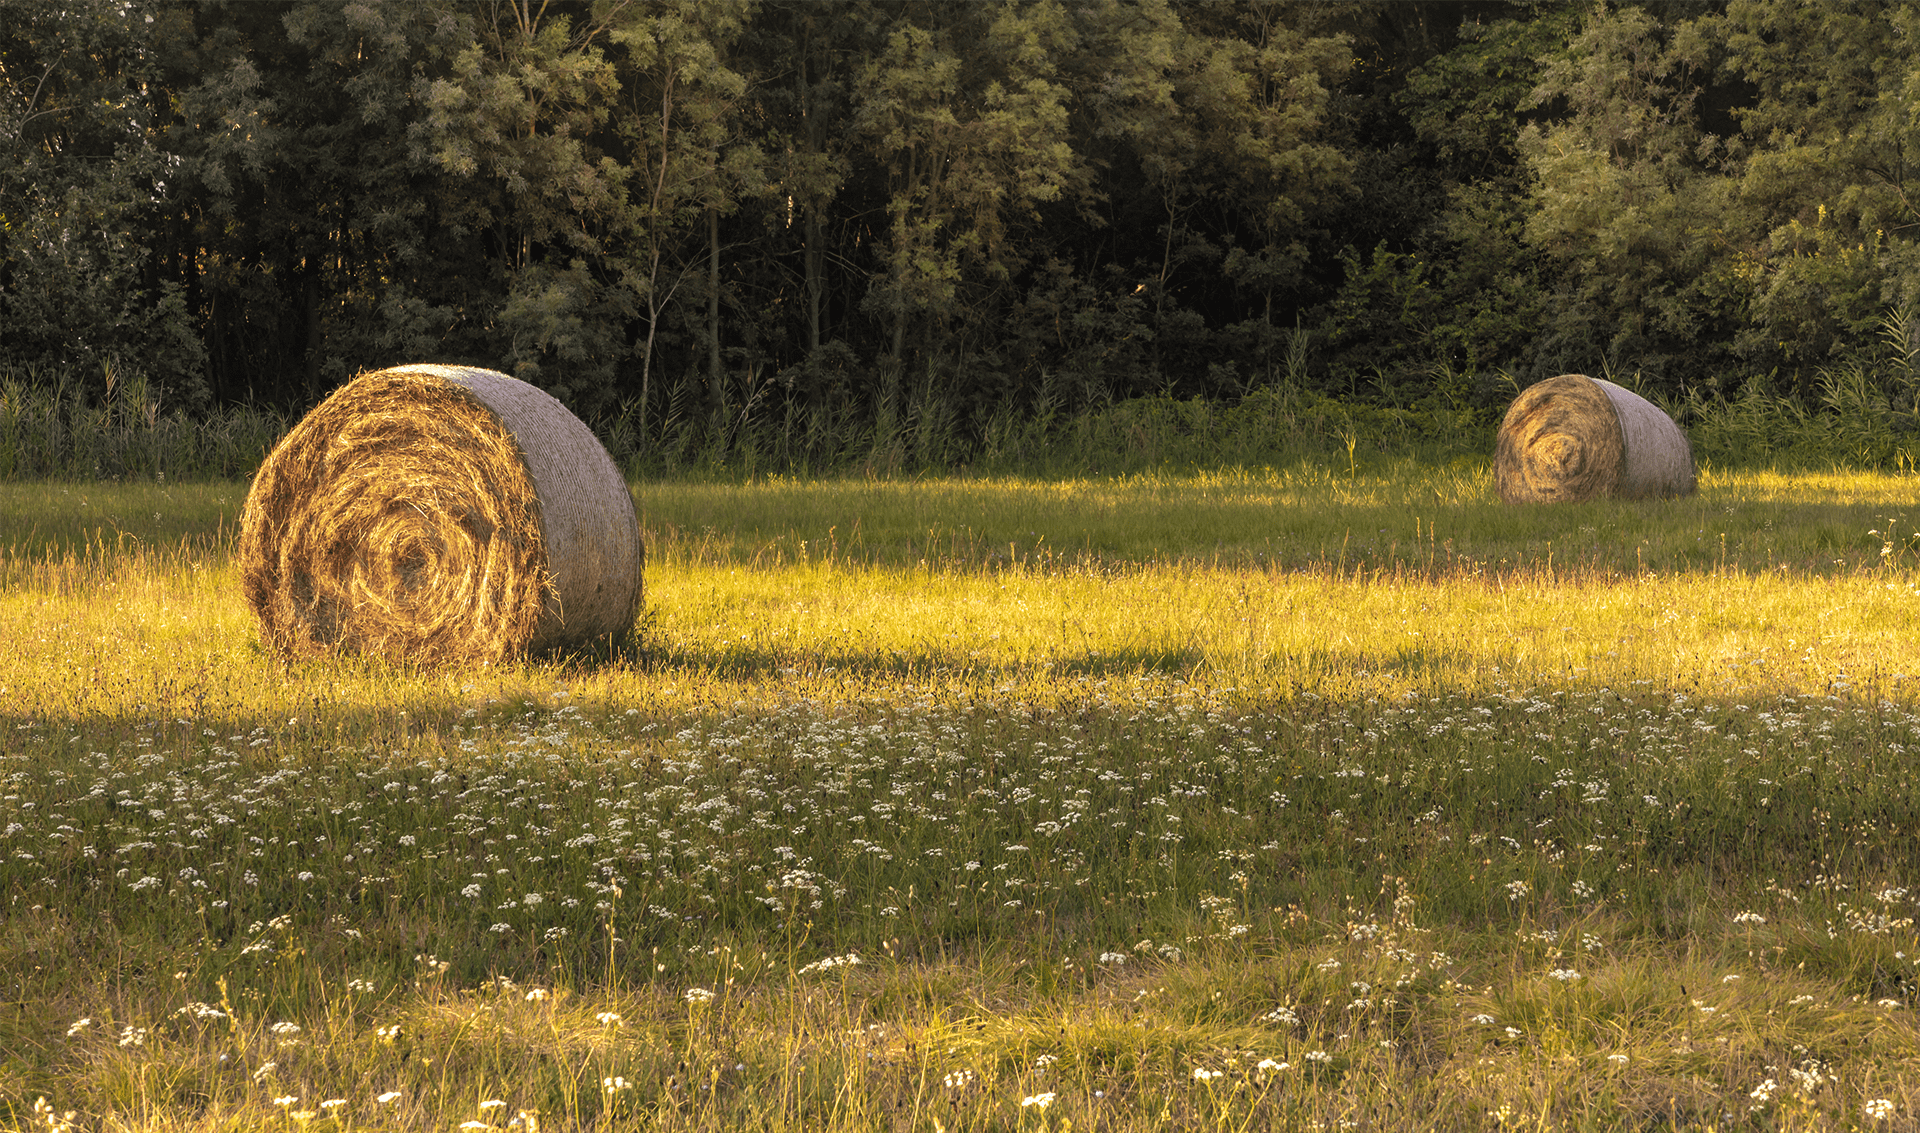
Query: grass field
(1294, 799)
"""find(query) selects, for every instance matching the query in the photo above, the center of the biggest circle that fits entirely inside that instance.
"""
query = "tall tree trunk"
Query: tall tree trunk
(716, 383)
(812, 257)
(816, 284)
(654, 304)
(896, 361)
(310, 301)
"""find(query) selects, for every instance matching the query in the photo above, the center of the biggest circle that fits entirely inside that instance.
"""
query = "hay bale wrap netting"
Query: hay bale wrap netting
(439, 514)
(1576, 438)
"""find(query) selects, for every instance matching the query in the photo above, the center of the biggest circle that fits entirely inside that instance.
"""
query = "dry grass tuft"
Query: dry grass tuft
(439, 514)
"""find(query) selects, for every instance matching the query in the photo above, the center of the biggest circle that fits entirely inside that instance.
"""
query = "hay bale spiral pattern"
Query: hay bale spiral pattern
(1575, 438)
(439, 514)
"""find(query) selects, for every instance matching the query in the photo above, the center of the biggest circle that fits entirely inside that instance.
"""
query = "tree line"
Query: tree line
(700, 214)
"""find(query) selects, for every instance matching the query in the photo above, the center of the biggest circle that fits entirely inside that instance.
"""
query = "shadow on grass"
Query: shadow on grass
(648, 656)
(390, 700)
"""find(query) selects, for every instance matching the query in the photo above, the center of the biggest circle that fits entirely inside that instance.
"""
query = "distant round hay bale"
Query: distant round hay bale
(1576, 438)
(439, 514)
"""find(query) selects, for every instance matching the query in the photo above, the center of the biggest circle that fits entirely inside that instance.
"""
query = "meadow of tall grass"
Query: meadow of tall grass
(1862, 411)
(115, 426)
(1309, 797)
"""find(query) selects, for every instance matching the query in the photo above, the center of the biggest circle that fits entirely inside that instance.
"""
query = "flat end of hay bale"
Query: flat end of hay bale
(1560, 441)
(439, 514)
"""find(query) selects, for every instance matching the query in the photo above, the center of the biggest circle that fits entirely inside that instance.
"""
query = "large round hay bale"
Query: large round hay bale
(1579, 438)
(439, 514)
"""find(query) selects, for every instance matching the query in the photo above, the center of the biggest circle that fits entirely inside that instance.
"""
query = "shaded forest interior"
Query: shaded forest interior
(702, 223)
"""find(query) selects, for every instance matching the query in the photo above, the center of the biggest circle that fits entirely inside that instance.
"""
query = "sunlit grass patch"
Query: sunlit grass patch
(1268, 629)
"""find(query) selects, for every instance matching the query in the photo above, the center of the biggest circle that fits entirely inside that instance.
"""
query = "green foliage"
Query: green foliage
(1866, 411)
(1830, 129)
(1385, 311)
(514, 123)
(80, 289)
(1469, 103)
(318, 240)
(806, 231)
(1626, 205)
(969, 121)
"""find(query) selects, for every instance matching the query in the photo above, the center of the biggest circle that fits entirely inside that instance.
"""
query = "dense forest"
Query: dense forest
(800, 212)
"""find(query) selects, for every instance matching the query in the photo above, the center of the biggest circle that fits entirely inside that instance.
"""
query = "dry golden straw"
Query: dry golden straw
(1576, 438)
(439, 514)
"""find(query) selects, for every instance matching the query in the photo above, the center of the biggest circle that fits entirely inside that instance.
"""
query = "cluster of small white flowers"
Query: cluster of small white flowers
(696, 818)
(198, 1010)
(831, 962)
